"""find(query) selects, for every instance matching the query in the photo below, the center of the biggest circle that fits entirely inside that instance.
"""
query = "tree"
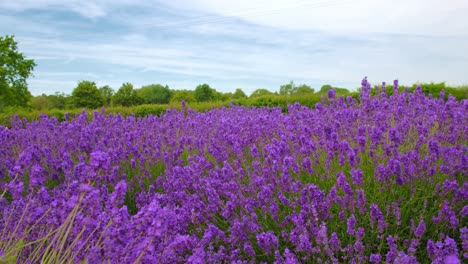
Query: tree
(325, 88)
(219, 96)
(238, 94)
(155, 94)
(223, 96)
(14, 70)
(260, 92)
(40, 102)
(86, 94)
(303, 89)
(126, 96)
(106, 92)
(186, 95)
(57, 101)
(204, 93)
(287, 89)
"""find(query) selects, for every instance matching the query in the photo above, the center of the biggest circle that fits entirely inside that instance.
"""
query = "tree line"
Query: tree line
(88, 95)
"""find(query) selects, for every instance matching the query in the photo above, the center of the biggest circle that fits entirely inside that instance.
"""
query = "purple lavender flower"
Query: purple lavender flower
(331, 94)
(220, 186)
(464, 239)
(375, 258)
(392, 253)
(267, 241)
(351, 224)
(357, 176)
(335, 243)
(100, 160)
(420, 229)
(452, 259)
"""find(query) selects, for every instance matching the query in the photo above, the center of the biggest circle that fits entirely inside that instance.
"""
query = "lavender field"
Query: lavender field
(379, 180)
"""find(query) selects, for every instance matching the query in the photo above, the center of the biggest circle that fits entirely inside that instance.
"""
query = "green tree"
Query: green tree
(106, 92)
(57, 101)
(287, 89)
(223, 96)
(186, 95)
(126, 96)
(238, 94)
(86, 94)
(14, 70)
(40, 102)
(338, 90)
(204, 93)
(220, 96)
(260, 92)
(303, 89)
(155, 94)
(325, 88)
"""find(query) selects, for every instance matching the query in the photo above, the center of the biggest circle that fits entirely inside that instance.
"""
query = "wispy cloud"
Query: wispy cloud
(428, 17)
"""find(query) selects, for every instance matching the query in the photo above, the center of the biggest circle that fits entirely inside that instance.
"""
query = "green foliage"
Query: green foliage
(287, 89)
(291, 88)
(87, 95)
(144, 110)
(126, 96)
(219, 96)
(155, 94)
(186, 95)
(239, 94)
(14, 70)
(433, 89)
(224, 96)
(106, 92)
(260, 92)
(40, 103)
(275, 100)
(204, 93)
(304, 89)
(327, 87)
(58, 101)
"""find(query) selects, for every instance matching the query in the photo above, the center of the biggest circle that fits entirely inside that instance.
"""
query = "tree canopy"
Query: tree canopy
(155, 94)
(186, 95)
(260, 92)
(126, 96)
(304, 89)
(204, 93)
(327, 87)
(238, 94)
(15, 68)
(86, 94)
(106, 92)
(291, 88)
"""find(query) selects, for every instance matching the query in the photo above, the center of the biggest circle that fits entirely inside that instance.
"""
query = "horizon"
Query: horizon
(244, 45)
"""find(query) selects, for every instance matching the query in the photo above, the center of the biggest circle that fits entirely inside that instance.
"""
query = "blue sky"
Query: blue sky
(239, 44)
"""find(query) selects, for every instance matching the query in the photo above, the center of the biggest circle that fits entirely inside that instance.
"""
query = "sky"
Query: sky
(238, 44)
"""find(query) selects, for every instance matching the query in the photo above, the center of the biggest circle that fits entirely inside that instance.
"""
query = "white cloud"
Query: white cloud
(85, 8)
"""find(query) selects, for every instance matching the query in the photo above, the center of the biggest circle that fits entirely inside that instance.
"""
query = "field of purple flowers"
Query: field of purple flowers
(382, 180)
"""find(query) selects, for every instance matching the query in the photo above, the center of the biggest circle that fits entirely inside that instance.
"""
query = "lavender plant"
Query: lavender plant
(381, 179)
